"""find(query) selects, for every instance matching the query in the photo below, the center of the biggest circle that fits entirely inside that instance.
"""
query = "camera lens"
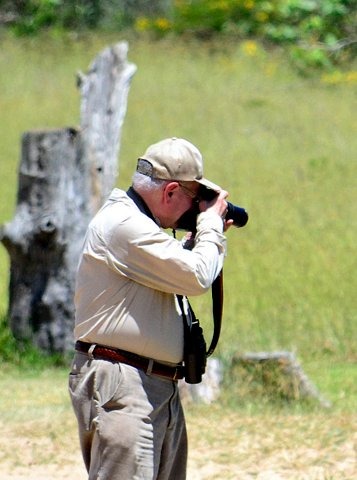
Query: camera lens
(238, 214)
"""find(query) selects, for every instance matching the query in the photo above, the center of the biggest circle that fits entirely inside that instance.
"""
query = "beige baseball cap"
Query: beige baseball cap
(174, 159)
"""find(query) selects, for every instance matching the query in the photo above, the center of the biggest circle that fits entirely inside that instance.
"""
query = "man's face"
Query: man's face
(180, 196)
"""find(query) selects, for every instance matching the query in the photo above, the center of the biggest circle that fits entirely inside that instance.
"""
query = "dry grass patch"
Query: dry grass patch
(39, 438)
(235, 445)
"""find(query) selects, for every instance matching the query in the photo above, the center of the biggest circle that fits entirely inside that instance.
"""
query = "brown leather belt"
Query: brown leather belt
(149, 366)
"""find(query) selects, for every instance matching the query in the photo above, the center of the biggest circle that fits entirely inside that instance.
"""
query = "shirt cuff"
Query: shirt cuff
(210, 220)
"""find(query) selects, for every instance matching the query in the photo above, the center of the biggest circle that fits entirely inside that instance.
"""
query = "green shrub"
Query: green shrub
(318, 33)
(321, 32)
(32, 16)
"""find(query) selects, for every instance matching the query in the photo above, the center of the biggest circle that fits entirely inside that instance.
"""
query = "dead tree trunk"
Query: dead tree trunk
(64, 177)
(104, 90)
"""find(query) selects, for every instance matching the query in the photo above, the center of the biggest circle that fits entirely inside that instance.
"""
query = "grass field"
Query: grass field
(285, 148)
(39, 438)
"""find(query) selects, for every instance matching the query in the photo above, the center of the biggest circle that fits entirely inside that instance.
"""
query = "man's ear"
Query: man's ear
(169, 189)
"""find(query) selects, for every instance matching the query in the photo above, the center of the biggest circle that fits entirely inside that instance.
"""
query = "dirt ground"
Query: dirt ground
(210, 471)
(39, 441)
(243, 461)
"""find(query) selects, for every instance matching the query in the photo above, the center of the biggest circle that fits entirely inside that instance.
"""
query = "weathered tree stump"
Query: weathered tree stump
(274, 374)
(64, 177)
(44, 237)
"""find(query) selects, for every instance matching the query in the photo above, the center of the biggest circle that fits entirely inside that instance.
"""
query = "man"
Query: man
(129, 322)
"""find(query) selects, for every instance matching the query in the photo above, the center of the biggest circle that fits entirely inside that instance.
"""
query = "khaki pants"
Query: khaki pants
(131, 425)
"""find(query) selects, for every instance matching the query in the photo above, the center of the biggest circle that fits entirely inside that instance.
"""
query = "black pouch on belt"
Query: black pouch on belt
(194, 353)
(194, 356)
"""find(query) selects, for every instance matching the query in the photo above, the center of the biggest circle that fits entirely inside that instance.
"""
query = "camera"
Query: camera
(188, 220)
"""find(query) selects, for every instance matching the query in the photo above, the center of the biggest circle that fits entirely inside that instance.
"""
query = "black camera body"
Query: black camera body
(195, 354)
(188, 220)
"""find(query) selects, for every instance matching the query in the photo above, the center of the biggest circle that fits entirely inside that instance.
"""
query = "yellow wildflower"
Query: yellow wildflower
(162, 24)
(337, 77)
(261, 17)
(250, 48)
(142, 24)
(351, 77)
(249, 4)
(221, 5)
(331, 78)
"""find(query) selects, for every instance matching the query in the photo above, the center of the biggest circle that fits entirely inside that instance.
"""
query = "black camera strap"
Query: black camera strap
(217, 311)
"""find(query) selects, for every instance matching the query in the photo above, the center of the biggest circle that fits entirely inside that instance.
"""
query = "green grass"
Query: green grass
(282, 145)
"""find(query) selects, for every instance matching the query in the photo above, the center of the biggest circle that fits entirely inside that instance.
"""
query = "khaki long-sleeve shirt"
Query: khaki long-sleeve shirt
(129, 273)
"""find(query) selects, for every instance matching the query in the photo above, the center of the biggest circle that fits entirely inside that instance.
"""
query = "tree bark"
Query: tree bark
(64, 177)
